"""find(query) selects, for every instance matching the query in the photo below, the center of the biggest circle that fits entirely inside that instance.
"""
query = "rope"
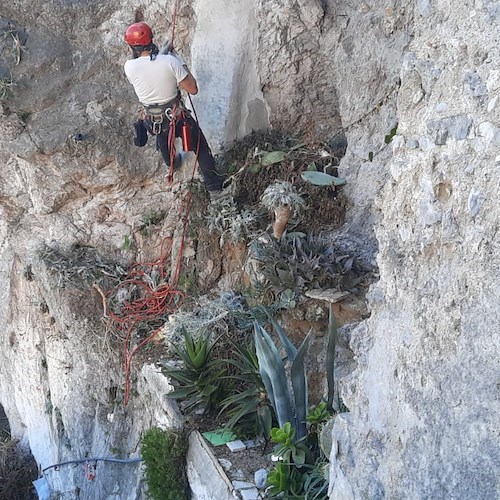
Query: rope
(98, 459)
(174, 21)
(155, 298)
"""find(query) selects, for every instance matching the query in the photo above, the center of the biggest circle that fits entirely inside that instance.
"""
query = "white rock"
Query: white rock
(492, 103)
(260, 478)
(242, 485)
(252, 494)
(330, 295)
(227, 464)
(441, 107)
(237, 445)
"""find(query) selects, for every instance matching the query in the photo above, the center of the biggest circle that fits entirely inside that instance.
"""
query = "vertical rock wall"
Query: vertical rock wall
(424, 399)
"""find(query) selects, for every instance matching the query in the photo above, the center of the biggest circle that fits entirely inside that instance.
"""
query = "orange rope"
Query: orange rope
(154, 301)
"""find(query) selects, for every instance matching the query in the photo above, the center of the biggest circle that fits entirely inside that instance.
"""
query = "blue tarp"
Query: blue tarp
(42, 489)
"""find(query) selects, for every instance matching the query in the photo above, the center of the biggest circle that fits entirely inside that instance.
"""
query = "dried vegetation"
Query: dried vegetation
(261, 159)
(17, 471)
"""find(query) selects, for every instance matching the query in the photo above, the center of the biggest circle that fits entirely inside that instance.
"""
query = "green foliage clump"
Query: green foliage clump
(150, 219)
(298, 261)
(301, 469)
(289, 406)
(163, 453)
(199, 383)
(248, 408)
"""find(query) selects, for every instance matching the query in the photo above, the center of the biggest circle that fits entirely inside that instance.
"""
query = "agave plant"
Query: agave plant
(200, 382)
(282, 199)
(299, 261)
(249, 409)
(288, 407)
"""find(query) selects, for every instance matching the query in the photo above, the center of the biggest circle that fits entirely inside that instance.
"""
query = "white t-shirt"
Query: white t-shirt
(155, 81)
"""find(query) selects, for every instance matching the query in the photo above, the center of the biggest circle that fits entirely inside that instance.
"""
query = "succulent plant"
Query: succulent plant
(288, 408)
(199, 383)
(249, 408)
(225, 218)
(298, 261)
(282, 198)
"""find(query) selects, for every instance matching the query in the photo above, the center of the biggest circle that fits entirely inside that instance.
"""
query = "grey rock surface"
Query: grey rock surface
(423, 206)
(423, 399)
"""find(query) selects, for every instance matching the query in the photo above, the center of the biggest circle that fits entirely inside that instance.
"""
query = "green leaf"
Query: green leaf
(322, 179)
(273, 157)
(330, 357)
(273, 375)
(388, 138)
(299, 457)
(312, 167)
(299, 385)
(266, 419)
(253, 169)
(290, 349)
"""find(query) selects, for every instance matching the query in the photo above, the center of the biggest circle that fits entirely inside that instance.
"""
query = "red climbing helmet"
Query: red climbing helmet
(138, 35)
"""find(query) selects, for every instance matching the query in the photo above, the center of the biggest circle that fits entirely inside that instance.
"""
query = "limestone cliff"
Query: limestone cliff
(411, 88)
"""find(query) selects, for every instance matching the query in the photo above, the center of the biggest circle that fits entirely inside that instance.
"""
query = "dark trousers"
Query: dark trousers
(213, 180)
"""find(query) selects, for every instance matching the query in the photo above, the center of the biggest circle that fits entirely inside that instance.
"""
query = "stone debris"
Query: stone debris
(238, 475)
(226, 464)
(260, 478)
(456, 127)
(245, 490)
(331, 295)
(251, 494)
(242, 485)
(237, 445)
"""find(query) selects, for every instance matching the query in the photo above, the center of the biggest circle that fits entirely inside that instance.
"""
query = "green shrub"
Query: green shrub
(164, 456)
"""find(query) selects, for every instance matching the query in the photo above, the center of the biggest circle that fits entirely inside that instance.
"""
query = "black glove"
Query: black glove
(141, 133)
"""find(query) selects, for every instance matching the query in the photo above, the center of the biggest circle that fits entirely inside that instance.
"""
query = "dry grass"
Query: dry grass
(17, 471)
(250, 178)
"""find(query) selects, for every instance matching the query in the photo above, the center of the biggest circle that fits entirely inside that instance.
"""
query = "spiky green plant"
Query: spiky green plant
(249, 409)
(298, 262)
(272, 369)
(200, 382)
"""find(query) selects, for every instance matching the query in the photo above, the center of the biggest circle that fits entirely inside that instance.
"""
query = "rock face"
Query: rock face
(422, 399)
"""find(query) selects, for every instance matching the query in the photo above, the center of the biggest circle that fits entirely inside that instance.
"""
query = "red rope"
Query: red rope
(154, 300)
(174, 21)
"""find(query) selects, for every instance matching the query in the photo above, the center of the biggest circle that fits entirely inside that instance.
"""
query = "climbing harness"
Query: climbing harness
(156, 113)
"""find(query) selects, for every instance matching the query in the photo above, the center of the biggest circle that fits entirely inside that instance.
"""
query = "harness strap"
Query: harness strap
(156, 113)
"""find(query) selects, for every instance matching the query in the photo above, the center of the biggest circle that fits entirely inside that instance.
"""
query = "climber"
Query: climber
(156, 76)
